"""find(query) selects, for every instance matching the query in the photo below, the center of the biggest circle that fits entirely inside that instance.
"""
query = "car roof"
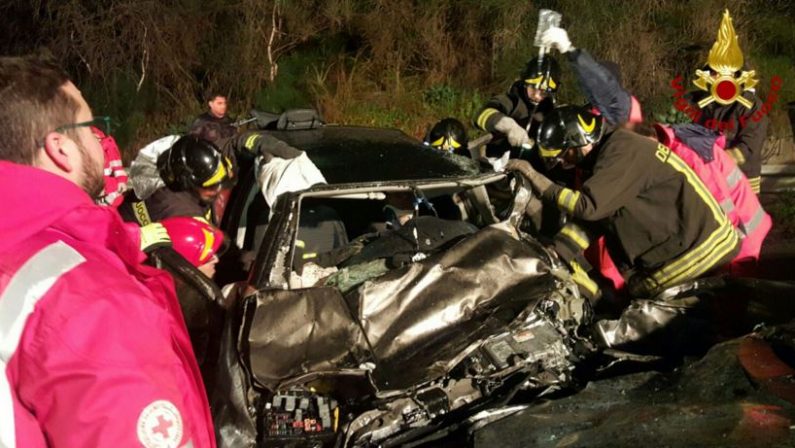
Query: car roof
(348, 154)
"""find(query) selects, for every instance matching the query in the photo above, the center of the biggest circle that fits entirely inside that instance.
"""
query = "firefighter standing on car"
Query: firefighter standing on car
(514, 115)
(94, 348)
(726, 102)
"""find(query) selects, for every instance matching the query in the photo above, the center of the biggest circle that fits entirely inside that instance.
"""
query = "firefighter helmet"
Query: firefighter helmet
(194, 238)
(448, 135)
(568, 127)
(193, 163)
(543, 76)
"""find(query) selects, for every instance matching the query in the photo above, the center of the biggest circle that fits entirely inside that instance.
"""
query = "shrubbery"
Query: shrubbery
(397, 63)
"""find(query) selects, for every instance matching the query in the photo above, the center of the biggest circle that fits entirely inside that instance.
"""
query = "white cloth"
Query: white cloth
(286, 176)
(144, 177)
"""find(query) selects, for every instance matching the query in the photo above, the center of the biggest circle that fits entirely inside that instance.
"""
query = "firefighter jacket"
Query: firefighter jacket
(164, 203)
(745, 130)
(516, 105)
(94, 346)
(704, 152)
(656, 213)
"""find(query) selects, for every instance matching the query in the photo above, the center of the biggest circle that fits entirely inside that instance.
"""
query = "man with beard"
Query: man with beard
(93, 348)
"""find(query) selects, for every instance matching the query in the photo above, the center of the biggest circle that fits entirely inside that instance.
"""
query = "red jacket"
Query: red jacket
(729, 186)
(115, 175)
(92, 342)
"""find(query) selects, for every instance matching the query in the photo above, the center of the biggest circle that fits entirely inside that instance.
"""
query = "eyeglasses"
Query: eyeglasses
(102, 123)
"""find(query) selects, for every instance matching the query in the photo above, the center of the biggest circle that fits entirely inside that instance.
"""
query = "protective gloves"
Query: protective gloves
(517, 136)
(153, 236)
(557, 38)
(540, 183)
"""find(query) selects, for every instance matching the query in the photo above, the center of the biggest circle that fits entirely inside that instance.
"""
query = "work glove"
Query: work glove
(539, 182)
(517, 136)
(558, 38)
(153, 236)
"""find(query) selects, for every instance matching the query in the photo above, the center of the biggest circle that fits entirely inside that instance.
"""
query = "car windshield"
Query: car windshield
(353, 155)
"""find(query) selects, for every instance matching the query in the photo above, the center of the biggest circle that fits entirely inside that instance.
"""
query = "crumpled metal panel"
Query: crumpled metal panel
(300, 331)
(419, 318)
(674, 321)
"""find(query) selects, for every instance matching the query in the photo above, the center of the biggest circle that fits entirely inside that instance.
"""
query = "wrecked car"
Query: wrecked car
(387, 302)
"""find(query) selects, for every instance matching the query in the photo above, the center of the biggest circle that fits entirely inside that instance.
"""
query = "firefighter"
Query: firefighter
(194, 172)
(448, 135)
(726, 102)
(659, 219)
(515, 115)
(95, 352)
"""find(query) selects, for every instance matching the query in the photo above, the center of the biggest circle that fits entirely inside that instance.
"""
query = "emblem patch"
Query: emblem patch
(160, 425)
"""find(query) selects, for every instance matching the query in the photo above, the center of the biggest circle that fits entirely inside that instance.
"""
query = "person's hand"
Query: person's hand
(557, 38)
(521, 166)
(153, 236)
(539, 182)
(517, 136)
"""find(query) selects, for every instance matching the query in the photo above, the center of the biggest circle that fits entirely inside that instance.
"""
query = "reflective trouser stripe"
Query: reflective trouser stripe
(582, 279)
(575, 233)
(756, 184)
(484, 117)
(567, 200)
(700, 259)
(28, 285)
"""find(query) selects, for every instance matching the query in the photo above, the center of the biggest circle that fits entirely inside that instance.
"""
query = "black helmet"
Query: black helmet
(567, 127)
(193, 163)
(448, 135)
(544, 76)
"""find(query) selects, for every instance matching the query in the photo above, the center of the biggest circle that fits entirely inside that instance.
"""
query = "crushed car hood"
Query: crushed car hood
(409, 323)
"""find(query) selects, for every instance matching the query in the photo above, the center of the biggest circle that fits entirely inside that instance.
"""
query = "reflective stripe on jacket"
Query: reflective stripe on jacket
(728, 185)
(93, 346)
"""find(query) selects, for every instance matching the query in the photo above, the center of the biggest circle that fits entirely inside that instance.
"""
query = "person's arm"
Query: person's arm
(260, 143)
(496, 117)
(498, 107)
(750, 137)
(601, 87)
(617, 177)
(114, 368)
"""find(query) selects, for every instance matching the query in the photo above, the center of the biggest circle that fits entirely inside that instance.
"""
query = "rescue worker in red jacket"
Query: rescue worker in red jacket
(115, 174)
(194, 172)
(658, 217)
(93, 346)
(726, 102)
(703, 150)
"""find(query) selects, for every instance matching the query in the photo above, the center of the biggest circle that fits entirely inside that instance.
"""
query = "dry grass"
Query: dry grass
(397, 63)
